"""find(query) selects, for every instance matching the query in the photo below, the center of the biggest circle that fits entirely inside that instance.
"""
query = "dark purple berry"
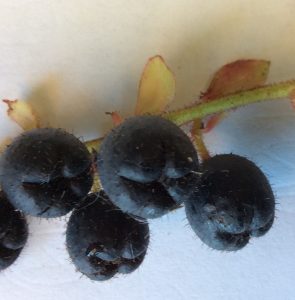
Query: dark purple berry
(233, 201)
(103, 241)
(8, 257)
(46, 172)
(141, 161)
(13, 234)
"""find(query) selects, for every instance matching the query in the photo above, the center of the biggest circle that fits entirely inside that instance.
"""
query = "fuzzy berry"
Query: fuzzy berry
(46, 172)
(233, 202)
(103, 241)
(13, 233)
(141, 163)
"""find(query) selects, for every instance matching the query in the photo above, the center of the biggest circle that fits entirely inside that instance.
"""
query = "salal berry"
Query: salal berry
(142, 162)
(233, 202)
(13, 233)
(46, 172)
(103, 241)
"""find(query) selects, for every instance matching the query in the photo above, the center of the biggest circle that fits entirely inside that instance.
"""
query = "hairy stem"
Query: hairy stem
(200, 110)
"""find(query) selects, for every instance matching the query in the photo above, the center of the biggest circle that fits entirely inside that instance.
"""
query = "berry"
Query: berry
(142, 161)
(103, 241)
(13, 233)
(46, 172)
(233, 201)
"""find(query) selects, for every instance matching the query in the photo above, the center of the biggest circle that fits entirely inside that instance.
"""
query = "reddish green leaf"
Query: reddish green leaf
(237, 76)
(232, 78)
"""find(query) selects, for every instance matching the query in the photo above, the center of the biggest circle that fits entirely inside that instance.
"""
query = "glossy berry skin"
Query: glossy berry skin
(13, 233)
(46, 172)
(141, 163)
(233, 202)
(103, 241)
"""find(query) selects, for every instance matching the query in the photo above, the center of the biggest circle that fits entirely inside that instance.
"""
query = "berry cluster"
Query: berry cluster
(148, 167)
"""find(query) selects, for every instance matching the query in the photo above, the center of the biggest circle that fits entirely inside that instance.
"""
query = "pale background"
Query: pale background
(80, 58)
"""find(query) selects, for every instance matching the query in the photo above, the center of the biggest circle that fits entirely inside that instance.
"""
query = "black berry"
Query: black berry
(142, 161)
(233, 201)
(45, 172)
(103, 241)
(13, 233)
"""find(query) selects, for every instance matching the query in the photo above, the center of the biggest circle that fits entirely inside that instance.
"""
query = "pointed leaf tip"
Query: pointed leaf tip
(156, 87)
(22, 113)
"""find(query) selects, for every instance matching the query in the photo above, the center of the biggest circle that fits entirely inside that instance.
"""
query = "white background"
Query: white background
(75, 60)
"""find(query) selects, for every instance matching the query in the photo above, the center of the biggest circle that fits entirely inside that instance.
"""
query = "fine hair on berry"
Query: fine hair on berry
(13, 233)
(102, 241)
(142, 162)
(46, 172)
(233, 202)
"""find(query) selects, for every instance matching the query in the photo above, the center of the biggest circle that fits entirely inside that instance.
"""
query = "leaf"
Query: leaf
(234, 77)
(22, 113)
(237, 76)
(156, 87)
(116, 118)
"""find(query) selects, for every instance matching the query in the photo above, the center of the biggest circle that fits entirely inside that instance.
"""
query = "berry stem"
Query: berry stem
(277, 91)
(201, 110)
(96, 187)
(198, 141)
(93, 144)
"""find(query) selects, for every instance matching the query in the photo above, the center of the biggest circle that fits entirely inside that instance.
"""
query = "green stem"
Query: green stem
(93, 144)
(198, 140)
(201, 110)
